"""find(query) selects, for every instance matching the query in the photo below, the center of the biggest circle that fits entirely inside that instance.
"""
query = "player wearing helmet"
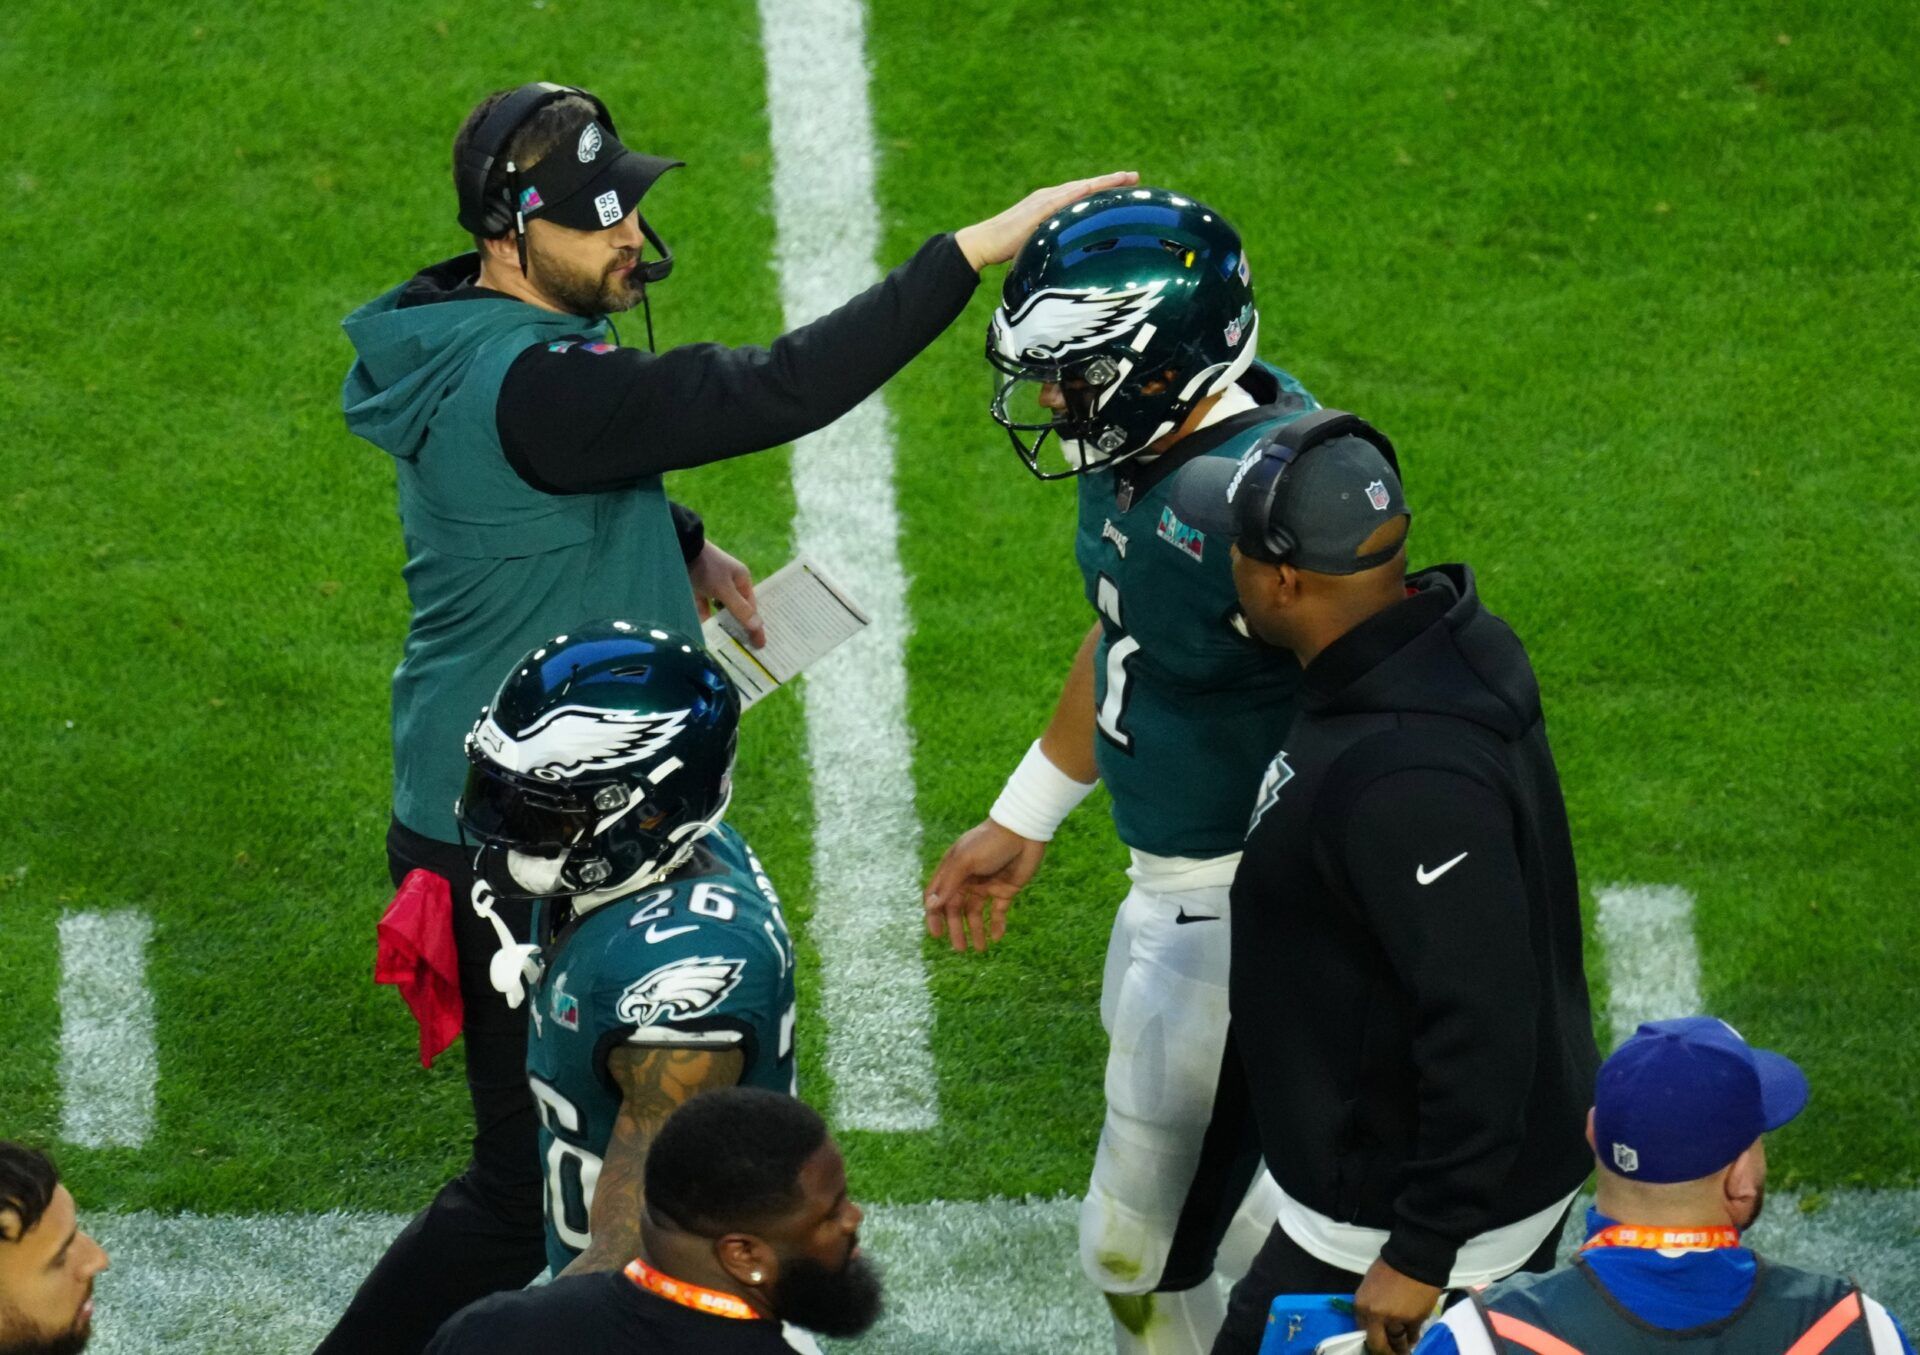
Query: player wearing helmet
(597, 781)
(1125, 342)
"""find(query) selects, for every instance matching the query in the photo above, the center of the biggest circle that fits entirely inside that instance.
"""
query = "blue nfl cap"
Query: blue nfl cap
(1682, 1099)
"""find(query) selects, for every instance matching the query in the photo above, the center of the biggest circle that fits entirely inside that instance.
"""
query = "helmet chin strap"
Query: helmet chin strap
(515, 964)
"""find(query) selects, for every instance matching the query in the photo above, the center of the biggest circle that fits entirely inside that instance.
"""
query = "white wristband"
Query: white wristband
(1037, 797)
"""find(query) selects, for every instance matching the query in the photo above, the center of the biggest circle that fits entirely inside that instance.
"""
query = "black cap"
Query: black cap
(1329, 499)
(590, 185)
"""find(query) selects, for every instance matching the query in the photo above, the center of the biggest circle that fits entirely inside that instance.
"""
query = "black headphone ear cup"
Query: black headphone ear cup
(1254, 509)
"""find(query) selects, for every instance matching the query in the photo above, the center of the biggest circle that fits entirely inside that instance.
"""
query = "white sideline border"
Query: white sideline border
(866, 853)
(109, 1059)
(964, 1277)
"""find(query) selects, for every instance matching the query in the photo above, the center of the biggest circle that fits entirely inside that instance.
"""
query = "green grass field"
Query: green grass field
(1632, 286)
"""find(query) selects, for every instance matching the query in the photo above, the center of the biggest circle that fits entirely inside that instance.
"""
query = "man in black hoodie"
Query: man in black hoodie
(1407, 994)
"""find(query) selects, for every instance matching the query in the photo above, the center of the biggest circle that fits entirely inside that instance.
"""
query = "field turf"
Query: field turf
(1631, 285)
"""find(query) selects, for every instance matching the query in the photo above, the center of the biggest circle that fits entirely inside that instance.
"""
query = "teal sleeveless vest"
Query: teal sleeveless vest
(494, 567)
(1570, 1309)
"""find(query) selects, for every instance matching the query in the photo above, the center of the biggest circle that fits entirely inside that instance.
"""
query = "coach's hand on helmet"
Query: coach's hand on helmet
(975, 882)
(999, 238)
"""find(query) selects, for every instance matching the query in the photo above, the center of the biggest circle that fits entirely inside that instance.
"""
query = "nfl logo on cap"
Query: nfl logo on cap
(1377, 495)
(1625, 1158)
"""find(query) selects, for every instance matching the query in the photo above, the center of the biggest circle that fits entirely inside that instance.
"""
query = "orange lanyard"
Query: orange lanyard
(1664, 1239)
(689, 1295)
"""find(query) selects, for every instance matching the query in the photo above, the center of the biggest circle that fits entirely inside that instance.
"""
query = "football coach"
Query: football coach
(529, 447)
(1406, 988)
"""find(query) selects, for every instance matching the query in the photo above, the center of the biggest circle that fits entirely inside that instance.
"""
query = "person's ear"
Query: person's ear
(501, 251)
(748, 1259)
(1742, 1183)
(1592, 1142)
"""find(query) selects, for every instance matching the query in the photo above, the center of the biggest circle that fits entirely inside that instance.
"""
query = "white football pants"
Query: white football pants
(1164, 1006)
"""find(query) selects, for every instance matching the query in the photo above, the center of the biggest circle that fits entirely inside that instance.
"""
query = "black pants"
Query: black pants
(483, 1232)
(1283, 1267)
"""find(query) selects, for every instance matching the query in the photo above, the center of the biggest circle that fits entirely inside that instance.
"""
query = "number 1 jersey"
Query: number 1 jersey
(1189, 709)
(702, 958)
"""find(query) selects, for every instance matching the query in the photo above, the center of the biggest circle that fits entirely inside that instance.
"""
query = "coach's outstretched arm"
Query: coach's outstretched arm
(992, 861)
(578, 418)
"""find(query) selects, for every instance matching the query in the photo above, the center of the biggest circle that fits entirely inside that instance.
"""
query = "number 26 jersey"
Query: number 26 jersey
(701, 958)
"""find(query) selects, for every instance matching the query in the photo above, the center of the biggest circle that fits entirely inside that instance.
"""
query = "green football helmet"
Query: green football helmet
(1118, 317)
(607, 753)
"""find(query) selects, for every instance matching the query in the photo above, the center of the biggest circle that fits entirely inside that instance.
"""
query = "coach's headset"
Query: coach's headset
(1251, 501)
(490, 217)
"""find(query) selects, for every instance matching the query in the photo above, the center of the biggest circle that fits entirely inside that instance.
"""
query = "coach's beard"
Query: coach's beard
(579, 292)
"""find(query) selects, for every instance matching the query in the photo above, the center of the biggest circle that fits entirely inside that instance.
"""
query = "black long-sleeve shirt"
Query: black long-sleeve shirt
(1407, 991)
(583, 417)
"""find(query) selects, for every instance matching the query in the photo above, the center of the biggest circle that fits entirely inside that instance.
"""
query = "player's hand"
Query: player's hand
(1391, 1308)
(717, 577)
(999, 238)
(976, 880)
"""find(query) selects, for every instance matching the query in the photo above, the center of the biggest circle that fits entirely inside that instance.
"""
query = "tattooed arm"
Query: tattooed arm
(654, 1081)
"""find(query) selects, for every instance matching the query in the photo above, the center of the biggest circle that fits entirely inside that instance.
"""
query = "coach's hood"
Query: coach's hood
(415, 343)
(1438, 653)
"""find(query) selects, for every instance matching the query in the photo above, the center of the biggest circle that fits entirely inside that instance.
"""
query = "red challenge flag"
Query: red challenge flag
(416, 955)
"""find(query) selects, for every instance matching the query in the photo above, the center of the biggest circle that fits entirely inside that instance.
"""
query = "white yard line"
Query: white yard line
(975, 1276)
(108, 1060)
(866, 866)
(1653, 965)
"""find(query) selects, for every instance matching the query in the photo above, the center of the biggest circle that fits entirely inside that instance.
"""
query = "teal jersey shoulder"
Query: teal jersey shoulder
(701, 959)
(1189, 708)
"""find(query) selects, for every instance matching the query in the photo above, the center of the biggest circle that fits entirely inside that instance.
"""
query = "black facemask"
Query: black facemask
(843, 1302)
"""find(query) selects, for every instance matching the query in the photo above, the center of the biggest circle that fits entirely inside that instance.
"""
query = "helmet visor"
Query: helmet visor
(496, 809)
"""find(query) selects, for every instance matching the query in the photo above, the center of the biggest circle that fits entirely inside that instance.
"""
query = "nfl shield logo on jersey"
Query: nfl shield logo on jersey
(1377, 495)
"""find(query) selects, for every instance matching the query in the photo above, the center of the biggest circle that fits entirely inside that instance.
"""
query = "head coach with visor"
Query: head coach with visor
(1406, 991)
(529, 448)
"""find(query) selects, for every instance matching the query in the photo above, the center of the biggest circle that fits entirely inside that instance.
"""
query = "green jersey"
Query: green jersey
(702, 958)
(1189, 708)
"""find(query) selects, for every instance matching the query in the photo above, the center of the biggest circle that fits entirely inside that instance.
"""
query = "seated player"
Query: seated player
(597, 783)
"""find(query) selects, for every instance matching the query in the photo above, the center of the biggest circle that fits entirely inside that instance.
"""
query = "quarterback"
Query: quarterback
(596, 784)
(1125, 337)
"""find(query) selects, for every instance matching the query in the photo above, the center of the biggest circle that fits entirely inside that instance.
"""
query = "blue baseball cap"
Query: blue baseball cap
(1682, 1099)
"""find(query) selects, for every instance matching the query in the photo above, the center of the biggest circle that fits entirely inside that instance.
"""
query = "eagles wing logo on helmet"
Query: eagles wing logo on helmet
(574, 739)
(682, 989)
(1057, 321)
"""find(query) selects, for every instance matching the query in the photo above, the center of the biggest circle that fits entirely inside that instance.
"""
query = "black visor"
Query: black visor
(497, 809)
(589, 184)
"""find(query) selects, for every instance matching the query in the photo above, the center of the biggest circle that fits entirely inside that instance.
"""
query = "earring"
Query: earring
(754, 1278)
